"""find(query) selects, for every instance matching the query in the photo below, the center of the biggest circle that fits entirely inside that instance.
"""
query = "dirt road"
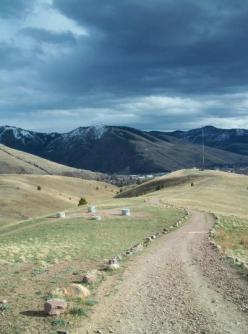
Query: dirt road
(177, 285)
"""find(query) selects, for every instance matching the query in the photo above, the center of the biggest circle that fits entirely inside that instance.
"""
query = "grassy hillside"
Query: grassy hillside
(220, 192)
(17, 162)
(20, 198)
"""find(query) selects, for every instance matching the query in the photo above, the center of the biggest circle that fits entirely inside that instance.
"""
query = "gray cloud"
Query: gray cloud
(15, 8)
(48, 36)
(142, 63)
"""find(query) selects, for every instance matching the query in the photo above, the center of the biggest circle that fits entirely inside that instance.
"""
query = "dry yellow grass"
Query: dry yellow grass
(20, 199)
(220, 192)
(17, 162)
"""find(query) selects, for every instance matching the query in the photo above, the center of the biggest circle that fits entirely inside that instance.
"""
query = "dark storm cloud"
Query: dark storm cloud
(12, 57)
(144, 63)
(159, 45)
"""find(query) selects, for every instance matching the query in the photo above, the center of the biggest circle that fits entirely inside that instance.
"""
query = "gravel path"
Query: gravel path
(177, 285)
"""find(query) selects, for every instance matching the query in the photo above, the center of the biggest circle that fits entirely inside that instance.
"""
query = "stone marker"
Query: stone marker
(55, 307)
(60, 215)
(96, 218)
(92, 209)
(113, 264)
(125, 212)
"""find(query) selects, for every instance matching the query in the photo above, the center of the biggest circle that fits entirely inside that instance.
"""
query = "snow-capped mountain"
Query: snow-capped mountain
(233, 140)
(126, 150)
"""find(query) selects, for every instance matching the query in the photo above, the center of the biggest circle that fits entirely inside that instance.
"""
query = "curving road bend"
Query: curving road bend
(179, 284)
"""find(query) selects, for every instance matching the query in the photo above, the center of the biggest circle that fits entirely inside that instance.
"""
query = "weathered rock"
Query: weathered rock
(113, 264)
(138, 248)
(90, 277)
(78, 291)
(55, 307)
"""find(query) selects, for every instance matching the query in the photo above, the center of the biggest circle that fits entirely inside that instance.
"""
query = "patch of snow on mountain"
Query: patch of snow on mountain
(18, 134)
(92, 132)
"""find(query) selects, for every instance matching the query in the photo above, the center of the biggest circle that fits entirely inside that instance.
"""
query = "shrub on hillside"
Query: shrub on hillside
(39, 188)
(82, 201)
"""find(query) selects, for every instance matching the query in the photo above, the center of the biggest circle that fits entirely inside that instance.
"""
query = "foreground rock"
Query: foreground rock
(112, 264)
(55, 307)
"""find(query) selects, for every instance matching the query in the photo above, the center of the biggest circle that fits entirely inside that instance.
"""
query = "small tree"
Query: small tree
(192, 184)
(82, 201)
(39, 188)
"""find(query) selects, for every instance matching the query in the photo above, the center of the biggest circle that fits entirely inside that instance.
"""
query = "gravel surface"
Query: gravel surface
(179, 284)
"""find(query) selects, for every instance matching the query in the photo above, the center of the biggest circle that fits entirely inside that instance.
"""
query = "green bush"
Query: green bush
(39, 188)
(82, 201)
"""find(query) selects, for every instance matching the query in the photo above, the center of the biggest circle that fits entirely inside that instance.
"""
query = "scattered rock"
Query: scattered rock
(98, 218)
(77, 290)
(55, 307)
(153, 237)
(138, 248)
(90, 277)
(113, 264)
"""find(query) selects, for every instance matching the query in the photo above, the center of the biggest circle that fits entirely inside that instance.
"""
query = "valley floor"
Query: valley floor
(178, 285)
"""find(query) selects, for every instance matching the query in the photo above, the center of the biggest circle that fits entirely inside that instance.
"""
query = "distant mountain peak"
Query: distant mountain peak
(120, 149)
(94, 132)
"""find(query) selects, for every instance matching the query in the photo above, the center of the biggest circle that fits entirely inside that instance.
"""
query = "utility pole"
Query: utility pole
(203, 149)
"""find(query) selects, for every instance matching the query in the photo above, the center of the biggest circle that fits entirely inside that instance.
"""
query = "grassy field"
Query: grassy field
(40, 255)
(232, 236)
(20, 199)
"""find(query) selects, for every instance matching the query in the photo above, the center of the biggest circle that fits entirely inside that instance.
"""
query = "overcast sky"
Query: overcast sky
(150, 64)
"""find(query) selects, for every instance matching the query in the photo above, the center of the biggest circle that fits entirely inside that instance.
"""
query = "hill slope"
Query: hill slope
(220, 192)
(233, 140)
(17, 162)
(20, 198)
(117, 149)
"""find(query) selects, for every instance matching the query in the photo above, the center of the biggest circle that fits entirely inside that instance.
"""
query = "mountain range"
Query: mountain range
(118, 149)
